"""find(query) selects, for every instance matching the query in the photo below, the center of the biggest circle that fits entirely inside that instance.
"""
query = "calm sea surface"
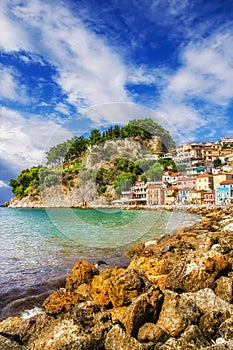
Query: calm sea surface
(40, 246)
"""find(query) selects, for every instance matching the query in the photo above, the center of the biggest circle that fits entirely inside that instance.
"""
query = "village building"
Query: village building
(156, 194)
(204, 182)
(224, 194)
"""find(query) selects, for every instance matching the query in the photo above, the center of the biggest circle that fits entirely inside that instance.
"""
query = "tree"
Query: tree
(124, 182)
(95, 137)
(217, 162)
(154, 173)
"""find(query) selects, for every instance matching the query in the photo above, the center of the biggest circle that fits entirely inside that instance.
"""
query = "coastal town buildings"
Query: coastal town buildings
(224, 194)
(206, 177)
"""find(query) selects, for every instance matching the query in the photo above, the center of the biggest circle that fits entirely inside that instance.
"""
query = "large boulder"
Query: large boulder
(197, 272)
(144, 308)
(178, 311)
(119, 340)
(82, 272)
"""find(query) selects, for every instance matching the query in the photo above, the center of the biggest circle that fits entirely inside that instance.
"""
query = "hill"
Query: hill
(91, 171)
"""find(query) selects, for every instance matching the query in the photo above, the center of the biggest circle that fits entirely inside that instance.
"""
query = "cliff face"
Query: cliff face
(175, 294)
(81, 189)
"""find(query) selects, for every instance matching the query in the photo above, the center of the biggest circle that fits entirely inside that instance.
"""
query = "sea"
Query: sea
(38, 247)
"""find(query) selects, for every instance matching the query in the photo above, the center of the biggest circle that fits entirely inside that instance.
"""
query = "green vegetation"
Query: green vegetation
(66, 160)
(27, 179)
(217, 162)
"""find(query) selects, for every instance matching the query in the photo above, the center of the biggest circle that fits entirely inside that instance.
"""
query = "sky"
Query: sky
(67, 67)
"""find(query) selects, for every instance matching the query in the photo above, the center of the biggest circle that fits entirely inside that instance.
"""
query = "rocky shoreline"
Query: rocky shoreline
(176, 294)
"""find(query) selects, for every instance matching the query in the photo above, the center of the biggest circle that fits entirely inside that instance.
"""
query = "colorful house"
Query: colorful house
(156, 194)
(204, 182)
(209, 197)
(224, 194)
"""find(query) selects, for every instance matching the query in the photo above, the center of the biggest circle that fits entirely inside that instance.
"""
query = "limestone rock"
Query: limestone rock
(82, 272)
(61, 301)
(101, 285)
(210, 322)
(224, 288)
(208, 301)
(143, 309)
(150, 332)
(127, 285)
(198, 272)
(7, 344)
(178, 311)
(118, 339)
(226, 329)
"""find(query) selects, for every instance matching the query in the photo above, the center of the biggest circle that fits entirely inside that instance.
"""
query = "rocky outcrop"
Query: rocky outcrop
(175, 294)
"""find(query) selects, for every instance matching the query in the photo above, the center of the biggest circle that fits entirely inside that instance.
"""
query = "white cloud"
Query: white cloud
(13, 36)
(89, 71)
(24, 141)
(3, 184)
(10, 87)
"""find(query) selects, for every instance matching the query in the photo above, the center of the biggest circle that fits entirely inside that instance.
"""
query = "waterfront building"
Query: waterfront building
(224, 194)
(204, 182)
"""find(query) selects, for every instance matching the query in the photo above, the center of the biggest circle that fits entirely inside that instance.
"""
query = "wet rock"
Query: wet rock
(82, 272)
(150, 332)
(61, 301)
(118, 339)
(143, 309)
(223, 345)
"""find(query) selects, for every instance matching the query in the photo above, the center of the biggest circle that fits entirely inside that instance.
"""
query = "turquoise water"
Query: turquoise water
(39, 246)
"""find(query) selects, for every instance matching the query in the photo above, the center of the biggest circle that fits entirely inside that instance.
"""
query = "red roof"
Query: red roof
(205, 175)
(226, 182)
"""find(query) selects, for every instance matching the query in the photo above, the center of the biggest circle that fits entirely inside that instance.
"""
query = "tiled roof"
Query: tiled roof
(226, 182)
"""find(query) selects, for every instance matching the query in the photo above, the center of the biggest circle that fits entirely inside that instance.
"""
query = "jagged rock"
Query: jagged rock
(210, 322)
(226, 329)
(223, 345)
(191, 339)
(198, 272)
(83, 328)
(10, 324)
(126, 286)
(208, 301)
(7, 344)
(61, 301)
(143, 309)
(150, 332)
(174, 319)
(224, 288)
(118, 339)
(82, 272)
(101, 284)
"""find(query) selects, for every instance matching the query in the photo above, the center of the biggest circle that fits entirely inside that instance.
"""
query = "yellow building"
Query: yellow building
(218, 178)
(204, 182)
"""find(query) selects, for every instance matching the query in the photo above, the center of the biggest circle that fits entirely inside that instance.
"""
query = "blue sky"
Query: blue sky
(68, 66)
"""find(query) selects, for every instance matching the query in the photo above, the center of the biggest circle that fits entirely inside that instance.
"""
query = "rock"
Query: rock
(227, 345)
(126, 286)
(119, 340)
(170, 318)
(10, 324)
(101, 285)
(82, 272)
(150, 266)
(160, 280)
(208, 301)
(226, 329)
(143, 309)
(224, 288)
(228, 228)
(82, 328)
(60, 301)
(150, 332)
(210, 322)
(198, 272)
(7, 344)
